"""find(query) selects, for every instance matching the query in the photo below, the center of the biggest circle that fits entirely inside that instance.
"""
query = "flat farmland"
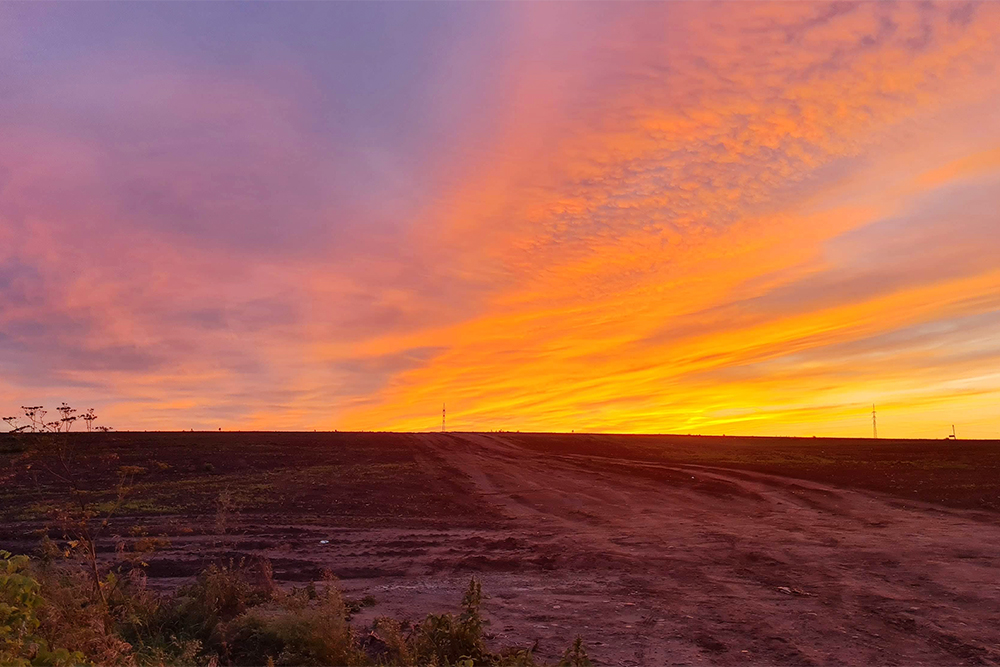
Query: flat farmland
(654, 549)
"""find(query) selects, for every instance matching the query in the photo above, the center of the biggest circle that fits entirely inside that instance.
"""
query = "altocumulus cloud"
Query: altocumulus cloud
(631, 217)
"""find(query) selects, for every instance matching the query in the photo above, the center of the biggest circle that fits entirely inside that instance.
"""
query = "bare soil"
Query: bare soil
(656, 550)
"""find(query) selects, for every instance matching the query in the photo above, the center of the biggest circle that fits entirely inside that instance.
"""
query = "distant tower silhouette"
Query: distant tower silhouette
(874, 425)
(442, 418)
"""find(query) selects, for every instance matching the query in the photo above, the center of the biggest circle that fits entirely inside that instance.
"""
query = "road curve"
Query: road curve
(665, 564)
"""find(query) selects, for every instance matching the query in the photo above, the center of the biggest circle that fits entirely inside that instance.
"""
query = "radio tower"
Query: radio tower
(874, 425)
(442, 418)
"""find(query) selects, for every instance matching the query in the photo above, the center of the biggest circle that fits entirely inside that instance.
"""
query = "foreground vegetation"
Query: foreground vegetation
(233, 614)
(407, 511)
(68, 605)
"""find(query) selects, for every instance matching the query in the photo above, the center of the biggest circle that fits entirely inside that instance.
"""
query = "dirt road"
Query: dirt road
(651, 562)
(690, 565)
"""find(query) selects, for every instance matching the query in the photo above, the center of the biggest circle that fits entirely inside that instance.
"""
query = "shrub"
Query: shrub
(576, 656)
(388, 644)
(443, 639)
(220, 594)
(294, 629)
(233, 614)
(73, 615)
(20, 599)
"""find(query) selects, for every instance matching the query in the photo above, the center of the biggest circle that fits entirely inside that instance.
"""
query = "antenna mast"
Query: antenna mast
(442, 418)
(874, 425)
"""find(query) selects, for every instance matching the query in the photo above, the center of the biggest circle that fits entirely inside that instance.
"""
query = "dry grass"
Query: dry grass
(233, 614)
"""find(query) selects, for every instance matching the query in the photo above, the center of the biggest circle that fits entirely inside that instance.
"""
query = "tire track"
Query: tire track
(745, 565)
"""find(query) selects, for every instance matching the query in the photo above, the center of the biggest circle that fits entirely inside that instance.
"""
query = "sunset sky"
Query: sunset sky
(739, 218)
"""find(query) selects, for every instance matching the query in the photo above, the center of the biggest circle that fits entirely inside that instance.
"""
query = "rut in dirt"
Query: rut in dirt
(732, 561)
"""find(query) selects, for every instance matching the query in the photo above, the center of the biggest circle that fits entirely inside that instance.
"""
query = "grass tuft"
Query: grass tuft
(233, 614)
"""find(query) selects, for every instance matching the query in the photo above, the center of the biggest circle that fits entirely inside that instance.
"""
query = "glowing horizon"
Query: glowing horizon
(742, 218)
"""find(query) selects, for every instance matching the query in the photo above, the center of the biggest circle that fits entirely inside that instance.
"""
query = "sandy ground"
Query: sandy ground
(654, 563)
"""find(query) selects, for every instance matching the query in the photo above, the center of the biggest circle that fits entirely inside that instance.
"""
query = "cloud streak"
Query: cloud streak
(680, 217)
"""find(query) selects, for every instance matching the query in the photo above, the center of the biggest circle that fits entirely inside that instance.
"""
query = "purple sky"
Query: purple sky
(693, 217)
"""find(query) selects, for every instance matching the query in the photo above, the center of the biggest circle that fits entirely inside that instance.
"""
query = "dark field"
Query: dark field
(955, 473)
(656, 549)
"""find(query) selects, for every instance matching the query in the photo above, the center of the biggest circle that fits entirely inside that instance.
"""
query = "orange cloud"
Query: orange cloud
(655, 205)
(743, 217)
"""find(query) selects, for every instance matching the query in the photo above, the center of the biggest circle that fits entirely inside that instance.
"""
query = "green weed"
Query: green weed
(233, 614)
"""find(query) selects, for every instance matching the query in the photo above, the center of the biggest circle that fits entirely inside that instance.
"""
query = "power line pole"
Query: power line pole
(442, 418)
(874, 425)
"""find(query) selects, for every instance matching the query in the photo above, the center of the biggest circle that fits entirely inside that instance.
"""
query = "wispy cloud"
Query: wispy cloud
(593, 216)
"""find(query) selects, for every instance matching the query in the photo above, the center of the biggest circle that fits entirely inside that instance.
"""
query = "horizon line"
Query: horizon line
(508, 432)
